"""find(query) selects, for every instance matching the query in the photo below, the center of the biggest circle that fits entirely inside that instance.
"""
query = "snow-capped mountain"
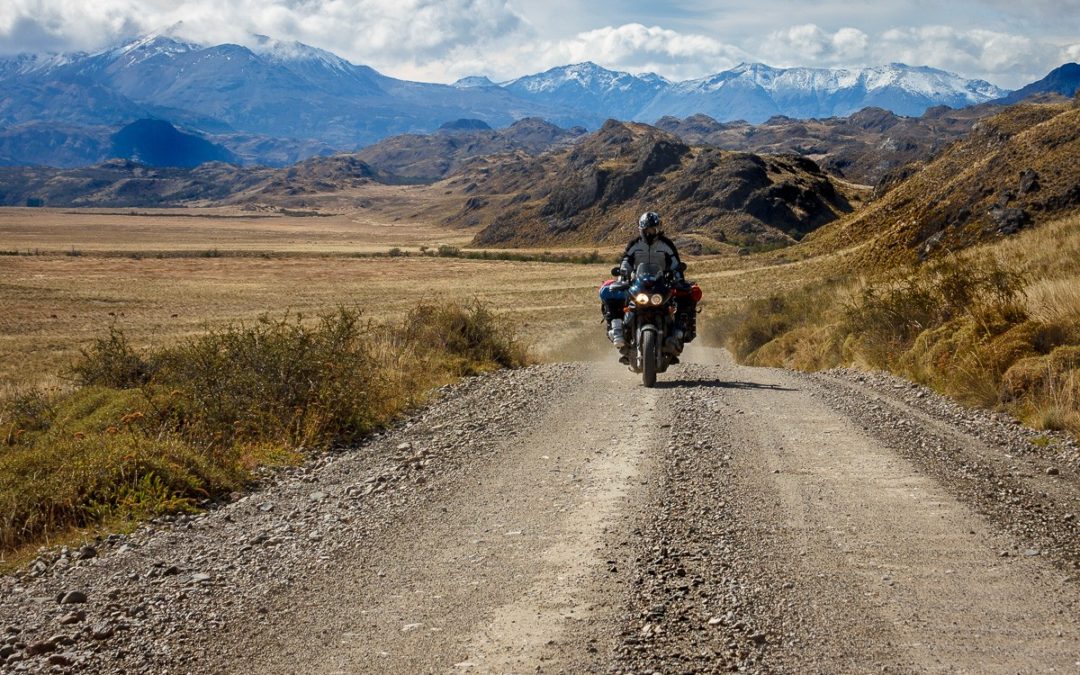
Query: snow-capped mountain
(587, 86)
(474, 81)
(281, 89)
(313, 98)
(754, 92)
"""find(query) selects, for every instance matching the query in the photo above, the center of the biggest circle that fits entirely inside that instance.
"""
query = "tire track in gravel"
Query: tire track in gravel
(503, 573)
(565, 519)
(785, 538)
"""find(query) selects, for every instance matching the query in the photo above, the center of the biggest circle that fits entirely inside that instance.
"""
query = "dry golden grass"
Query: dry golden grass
(997, 325)
(51, 305)
(197, 231)
(1049, 258)
(1055, 300)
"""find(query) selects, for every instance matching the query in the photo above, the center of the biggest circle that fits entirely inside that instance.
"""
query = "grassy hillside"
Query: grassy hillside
(1016, 170)
(997, 325)
(966, 276)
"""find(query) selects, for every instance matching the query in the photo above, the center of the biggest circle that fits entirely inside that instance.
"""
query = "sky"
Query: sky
(1006, 42)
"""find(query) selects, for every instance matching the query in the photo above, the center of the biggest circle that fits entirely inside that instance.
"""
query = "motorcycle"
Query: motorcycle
(649, 320)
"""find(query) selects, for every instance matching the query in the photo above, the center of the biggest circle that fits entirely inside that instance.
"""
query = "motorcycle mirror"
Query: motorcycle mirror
(682, 266)
(616, 271)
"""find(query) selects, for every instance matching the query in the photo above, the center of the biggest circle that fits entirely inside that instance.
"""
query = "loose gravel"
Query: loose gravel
(731, 519)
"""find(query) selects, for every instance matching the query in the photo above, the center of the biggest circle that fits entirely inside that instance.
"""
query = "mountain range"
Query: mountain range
(276, 102)
(1012, 170)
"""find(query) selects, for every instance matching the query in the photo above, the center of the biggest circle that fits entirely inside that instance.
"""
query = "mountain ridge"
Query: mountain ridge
(277, 87)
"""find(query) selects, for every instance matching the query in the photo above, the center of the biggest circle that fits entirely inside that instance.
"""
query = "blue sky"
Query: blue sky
(1006, 42)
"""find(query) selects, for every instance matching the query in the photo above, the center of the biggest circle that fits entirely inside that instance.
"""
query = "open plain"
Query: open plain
(163, 275)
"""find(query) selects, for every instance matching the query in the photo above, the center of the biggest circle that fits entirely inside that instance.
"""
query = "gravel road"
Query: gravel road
(563, 519)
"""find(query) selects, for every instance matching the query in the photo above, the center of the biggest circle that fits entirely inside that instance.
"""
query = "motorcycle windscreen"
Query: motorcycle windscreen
(649, 267)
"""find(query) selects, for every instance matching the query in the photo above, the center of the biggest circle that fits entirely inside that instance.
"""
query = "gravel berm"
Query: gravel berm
(562, 518)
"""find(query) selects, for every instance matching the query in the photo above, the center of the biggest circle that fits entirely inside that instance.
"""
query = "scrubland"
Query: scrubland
(997, 325)
(142, 372)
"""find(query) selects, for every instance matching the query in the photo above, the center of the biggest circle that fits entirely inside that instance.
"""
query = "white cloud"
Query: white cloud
(440, 40)
(40, 25)
(1002, 58)
(1005, 59)
(364, 30)
(808, 44)
(633, 48)
(637, 48)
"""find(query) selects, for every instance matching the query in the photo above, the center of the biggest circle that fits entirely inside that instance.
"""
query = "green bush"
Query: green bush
(279, 381)
(110, 361)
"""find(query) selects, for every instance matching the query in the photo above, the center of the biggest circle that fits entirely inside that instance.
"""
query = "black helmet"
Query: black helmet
(649, 219)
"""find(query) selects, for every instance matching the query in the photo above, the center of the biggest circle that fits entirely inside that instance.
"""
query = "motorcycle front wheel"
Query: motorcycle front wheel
(648, 355)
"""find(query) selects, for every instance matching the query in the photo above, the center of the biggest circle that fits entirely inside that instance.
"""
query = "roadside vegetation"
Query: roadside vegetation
(995, 326)
(149, 431)
(447, 251)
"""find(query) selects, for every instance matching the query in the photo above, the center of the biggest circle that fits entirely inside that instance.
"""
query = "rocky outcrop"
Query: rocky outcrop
(593, 191)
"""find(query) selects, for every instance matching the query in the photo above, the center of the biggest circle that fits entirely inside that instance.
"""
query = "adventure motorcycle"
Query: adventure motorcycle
(649, 320)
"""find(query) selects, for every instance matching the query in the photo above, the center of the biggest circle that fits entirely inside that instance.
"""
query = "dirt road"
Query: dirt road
(565, 519)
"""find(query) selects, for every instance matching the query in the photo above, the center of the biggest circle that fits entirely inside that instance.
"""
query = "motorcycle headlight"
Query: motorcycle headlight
(642, 299)
(657, 299)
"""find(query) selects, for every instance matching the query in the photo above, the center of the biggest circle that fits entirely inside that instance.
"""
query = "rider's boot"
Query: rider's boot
(616, 334)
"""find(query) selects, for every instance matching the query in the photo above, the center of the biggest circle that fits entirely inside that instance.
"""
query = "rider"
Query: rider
(654, 252)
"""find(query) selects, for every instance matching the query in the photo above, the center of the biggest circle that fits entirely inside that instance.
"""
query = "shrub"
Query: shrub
(110, 361)
(883, 321)
(147, 433)
(470, 337)
(767, 319)
(279, 380)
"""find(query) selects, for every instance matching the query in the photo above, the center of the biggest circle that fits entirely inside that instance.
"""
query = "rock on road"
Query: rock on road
(562, 518)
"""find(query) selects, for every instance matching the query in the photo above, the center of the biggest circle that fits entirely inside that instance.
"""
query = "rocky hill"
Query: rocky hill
(864, 147)
(124, 183)
(158, 143)
(431, 157)
(1014, 170)
(52, 144)
(594, 191)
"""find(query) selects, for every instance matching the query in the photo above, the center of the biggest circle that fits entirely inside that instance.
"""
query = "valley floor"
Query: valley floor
(562, 518)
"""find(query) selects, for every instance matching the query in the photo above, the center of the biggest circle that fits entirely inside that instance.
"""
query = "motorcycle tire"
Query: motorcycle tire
(648, 356)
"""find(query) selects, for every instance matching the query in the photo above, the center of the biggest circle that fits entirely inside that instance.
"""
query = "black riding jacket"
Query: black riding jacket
(641, 257)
